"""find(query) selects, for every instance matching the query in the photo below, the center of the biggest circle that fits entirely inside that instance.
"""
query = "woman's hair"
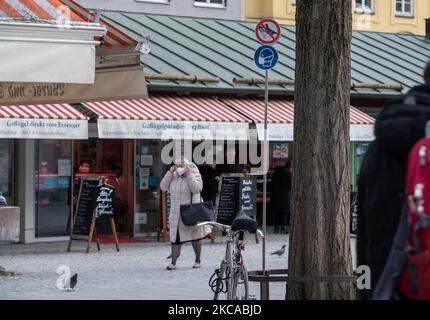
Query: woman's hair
(426, 74)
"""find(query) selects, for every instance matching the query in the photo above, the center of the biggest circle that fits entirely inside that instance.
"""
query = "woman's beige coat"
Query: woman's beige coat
(182, 190)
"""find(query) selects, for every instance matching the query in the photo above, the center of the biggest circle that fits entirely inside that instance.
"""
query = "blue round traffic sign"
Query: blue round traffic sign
(266, 57)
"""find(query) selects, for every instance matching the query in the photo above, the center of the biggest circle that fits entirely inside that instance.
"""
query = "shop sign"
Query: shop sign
(285, 132)
(111, 84)
(168, 130)
(276, 131)
(362, 132)
(43, 129)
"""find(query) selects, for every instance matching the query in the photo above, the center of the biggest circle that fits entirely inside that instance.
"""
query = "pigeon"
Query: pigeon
(279, 252)
(71, 283)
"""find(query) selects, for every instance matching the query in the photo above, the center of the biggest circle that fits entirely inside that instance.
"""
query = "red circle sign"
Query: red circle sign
(268, 31)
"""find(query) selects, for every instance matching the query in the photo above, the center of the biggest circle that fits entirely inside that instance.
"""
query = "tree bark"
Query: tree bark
(320, 240)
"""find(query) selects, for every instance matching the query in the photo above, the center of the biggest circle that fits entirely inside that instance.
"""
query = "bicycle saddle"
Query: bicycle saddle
(243, 222)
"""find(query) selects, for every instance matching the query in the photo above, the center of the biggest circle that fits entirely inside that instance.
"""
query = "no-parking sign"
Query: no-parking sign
(268, 31)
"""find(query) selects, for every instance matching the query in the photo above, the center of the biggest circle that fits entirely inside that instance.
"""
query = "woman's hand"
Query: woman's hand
(187, 170)
(172, 169)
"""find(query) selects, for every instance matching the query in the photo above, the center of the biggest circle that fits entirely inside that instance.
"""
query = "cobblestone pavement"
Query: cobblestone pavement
(136, 272)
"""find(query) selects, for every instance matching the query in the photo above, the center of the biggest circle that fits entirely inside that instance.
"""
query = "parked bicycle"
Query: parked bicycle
(230, 281)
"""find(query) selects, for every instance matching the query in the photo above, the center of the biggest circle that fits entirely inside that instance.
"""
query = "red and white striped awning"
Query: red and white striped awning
(42, 121)
(280, 118)
(282, 111)
(151, 118)
(167, 108)
(52, 10)
(114, 36)
(41, 111)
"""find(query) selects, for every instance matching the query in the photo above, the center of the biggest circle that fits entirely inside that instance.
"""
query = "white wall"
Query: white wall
(233, 11)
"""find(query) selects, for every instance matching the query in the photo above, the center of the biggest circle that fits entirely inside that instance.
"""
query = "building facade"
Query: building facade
(392, 16)
(216, 9)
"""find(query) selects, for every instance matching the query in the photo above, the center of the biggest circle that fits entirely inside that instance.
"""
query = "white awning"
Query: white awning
(48, 121)
(285, 132)
(281, 119)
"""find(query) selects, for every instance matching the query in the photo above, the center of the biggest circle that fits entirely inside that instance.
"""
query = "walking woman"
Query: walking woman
(184, 183)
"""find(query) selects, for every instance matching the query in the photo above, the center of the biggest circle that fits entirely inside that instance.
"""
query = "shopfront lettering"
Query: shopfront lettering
(42, 124)
(104, 200)
(33, 90)
(16, 92)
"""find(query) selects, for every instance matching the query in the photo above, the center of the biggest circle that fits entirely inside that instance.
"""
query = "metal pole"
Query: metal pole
(265, 154)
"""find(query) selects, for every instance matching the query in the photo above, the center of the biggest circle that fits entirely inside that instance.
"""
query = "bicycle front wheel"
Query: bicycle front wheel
(220, 284)
(240, 287)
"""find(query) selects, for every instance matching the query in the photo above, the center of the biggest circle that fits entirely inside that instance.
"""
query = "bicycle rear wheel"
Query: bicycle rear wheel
(240, 284)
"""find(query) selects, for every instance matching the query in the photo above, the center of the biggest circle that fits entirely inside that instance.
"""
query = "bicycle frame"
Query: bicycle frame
(231, 262)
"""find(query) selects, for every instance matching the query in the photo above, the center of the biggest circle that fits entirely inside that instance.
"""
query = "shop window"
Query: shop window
(404, 8)
(211, 3)
(364, 6)
(358, 151)
(6, 170)
(103, 159)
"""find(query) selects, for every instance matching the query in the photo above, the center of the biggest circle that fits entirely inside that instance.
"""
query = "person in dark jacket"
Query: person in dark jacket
(382, 181)
(210, 182)
(230, 164)
(281, 196)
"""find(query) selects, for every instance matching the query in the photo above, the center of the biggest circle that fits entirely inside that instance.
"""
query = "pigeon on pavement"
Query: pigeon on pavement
(279, 252)
(71, 282)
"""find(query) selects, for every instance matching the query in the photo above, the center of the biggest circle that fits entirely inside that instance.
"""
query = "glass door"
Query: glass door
(6, 172)
(148, 173)
(53, 174)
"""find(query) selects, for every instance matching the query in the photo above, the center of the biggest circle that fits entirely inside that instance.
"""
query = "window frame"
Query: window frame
(403, 13)
(363, 9)
(155, 1)
(208, 4)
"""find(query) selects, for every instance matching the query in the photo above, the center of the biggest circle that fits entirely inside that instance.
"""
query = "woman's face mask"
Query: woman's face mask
(180, 171)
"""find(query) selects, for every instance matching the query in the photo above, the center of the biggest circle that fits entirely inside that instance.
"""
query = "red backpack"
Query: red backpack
(414, 280)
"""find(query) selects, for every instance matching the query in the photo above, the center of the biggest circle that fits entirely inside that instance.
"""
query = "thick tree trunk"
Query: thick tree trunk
(320, 242)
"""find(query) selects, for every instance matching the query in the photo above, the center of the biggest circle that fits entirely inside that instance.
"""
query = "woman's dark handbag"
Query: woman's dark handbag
(195, 213)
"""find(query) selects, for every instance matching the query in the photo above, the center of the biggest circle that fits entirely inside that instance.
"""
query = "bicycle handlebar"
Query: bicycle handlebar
(260, 233)
(215, 224)
(223, 226)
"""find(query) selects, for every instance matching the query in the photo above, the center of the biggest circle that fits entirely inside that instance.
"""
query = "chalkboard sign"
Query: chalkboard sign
(104, 201)
(85, 207)
(228, 204)
(248, 195)
(165, 215)
(236, 193)
(94, 213)
(168, 206)
(354, 218)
